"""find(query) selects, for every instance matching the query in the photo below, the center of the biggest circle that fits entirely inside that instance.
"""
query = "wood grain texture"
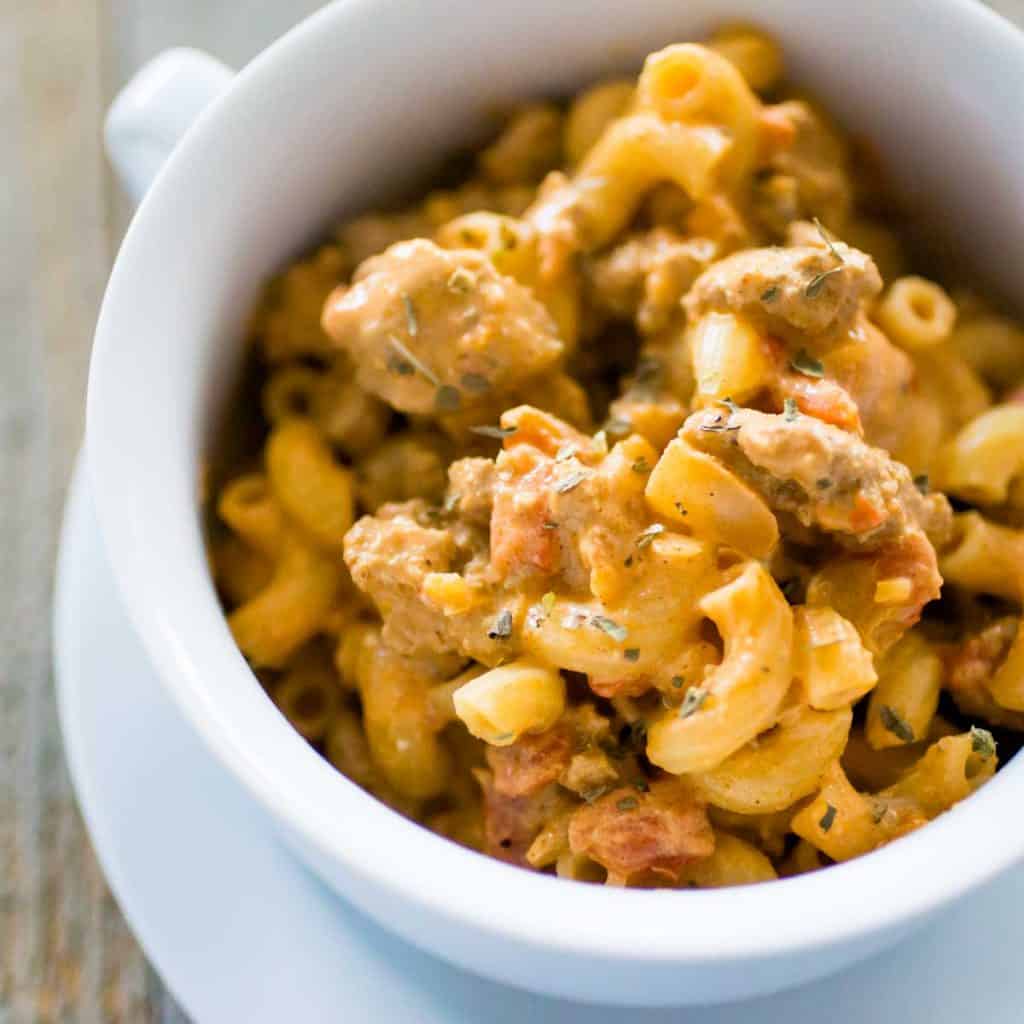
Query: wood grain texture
(65, 952)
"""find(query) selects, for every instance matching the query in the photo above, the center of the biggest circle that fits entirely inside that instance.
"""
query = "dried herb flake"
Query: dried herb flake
(611, 627)
(498, 433)
(982, 742)
(817, 283)
(567, 483)
(693, 701)
(461, 280)
(827, 818)
(502, 628)
(412, 360)
(648, 535)
(411, 320)
(475, 383)
(803, 362)
(447, 399)
(895, 723)
(827, 239)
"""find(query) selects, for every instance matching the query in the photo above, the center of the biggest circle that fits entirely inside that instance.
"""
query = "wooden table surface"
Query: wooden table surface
(65, 952)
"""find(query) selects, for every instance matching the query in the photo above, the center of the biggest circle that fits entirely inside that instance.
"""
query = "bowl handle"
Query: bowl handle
(155, 109)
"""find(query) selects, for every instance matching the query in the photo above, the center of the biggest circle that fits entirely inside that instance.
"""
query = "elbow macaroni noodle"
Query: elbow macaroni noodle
(643, 593)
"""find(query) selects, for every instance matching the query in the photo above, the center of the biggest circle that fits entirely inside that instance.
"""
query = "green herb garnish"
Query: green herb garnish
(411, 320)
(827, 818)
(648, 535)
(982, 742)
(817, 283)
(895, 723)
(447, 399)
(790, 412)
(412, 361)
(631, 654)
(922, 483)
(693, 701)
(475, 383)
(611, 627)
(677, 682)
(641, 784)
(461, 280)
(616, 427)
(502, 628)
(567, 483)
(641, 466)
(498, 433)
(770, 294)
(627, 803)
(824, 483)
(803, 362)
(827, 239)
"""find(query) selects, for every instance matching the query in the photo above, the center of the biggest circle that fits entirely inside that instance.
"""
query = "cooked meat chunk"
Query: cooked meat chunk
(825, 477)
(433, 330)
(971, 665)
(471, 489)
(803, 174)
(532, 762)
(636, 835)
(388, 556)
(647, 275)
(907, 570)
(512, 822)
(878, 377)
(800, 294)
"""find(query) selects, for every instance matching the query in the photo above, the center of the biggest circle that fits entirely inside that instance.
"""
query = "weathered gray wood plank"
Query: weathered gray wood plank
(66, 954)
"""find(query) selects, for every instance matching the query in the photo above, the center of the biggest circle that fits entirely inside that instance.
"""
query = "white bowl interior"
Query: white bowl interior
(354, 106)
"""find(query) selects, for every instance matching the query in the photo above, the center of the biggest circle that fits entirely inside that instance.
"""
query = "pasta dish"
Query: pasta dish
(627, 509)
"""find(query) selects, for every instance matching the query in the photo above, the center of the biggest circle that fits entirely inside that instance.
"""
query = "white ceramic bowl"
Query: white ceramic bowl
(360, 100)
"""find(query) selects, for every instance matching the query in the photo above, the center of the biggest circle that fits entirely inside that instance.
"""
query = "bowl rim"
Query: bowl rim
(396, 855)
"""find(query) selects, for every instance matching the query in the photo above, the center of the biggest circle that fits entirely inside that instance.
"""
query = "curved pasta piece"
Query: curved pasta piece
(402, 735)
(729, 358)
(782, 766)
(734, 862)
(698, 491)
(985, 557)
(742, 695)
(916, 313)
(903, 704)
(830, 662)
(290, 610)
(1007, 685)
(502, 704)
(315, 491)
(981, 462)
(648, 637)
(591, 112)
